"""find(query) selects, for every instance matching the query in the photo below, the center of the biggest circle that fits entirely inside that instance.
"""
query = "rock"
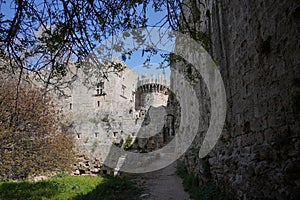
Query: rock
(76, 172)
(292, 166)
(38, 178)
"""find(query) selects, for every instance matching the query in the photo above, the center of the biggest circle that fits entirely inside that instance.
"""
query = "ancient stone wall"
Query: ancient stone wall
(102, 112)
(256, 44)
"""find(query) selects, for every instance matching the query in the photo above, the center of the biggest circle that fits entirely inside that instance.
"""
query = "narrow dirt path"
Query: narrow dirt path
(162, 185)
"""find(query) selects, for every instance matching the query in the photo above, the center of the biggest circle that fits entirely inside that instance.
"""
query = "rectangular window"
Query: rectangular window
(98, 103)
(70, 106)
(123, 91)
(100, 88)
(96, 134)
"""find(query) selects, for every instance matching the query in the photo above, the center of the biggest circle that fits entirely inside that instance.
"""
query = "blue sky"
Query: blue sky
(136, 59)
(136, 64)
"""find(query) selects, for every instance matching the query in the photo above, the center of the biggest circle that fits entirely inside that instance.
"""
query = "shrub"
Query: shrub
(33, 139)
(128, 143)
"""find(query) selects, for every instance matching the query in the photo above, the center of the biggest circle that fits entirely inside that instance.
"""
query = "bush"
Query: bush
(128, 143)
(33, 139)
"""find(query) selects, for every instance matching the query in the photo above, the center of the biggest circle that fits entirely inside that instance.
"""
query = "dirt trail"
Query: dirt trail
(162, 185)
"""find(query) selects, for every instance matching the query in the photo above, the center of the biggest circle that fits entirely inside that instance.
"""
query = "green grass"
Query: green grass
(70, 187)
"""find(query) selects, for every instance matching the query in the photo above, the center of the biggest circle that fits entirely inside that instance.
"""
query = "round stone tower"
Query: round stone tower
(152, 91)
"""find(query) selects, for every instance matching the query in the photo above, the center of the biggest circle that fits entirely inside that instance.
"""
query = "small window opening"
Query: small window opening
(78, 135)
(115, 134)
(99, 88)
(96, 134)
(70, 106)
(123, 90)
(98, 103)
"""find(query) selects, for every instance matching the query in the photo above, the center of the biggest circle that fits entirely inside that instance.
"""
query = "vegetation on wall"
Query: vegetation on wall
(192, 75)
(105, 118)
(191, 22)
(94, 146)
(128, 143)
(208, 191)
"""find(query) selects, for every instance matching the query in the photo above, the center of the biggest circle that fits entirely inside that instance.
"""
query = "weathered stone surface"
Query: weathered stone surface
(257, 46)
(124, 110)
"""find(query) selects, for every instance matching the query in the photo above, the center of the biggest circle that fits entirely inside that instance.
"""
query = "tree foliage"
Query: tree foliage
(32, 140)
(37, 35)
(41, 40)
(48, 33)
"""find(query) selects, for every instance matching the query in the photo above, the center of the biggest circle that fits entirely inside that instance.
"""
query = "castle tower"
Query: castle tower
(151, 91)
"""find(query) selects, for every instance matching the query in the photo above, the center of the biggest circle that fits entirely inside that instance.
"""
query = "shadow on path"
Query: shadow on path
(163, 184)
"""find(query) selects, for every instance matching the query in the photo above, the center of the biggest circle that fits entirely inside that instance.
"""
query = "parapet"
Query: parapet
(160, 80)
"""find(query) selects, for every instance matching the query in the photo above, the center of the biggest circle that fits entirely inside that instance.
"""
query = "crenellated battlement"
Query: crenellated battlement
(152, 91)
(152, 80)
(152, 88)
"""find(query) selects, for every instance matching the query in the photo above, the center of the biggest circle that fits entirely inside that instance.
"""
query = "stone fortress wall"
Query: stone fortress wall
(109, 111)
(256, 44)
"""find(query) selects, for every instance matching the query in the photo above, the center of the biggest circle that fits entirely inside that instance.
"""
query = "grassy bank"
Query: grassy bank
(70, 187)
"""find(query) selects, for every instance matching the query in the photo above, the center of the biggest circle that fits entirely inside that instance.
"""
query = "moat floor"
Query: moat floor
(162, 185)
